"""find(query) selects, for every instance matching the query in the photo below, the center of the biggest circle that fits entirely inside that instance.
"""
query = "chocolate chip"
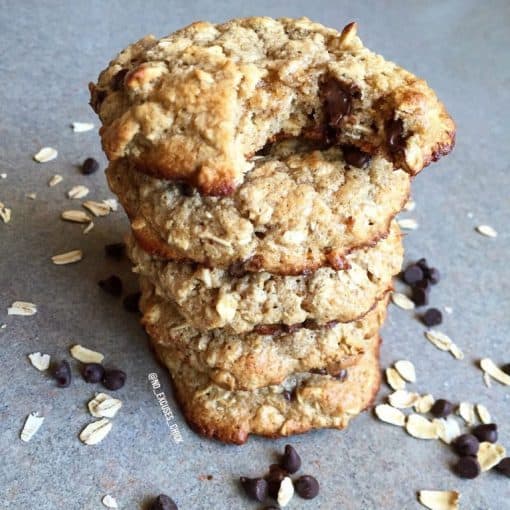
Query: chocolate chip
(486, 432)
(506, 368)
(290, 460)
(185, 189)
(337, 101)
(89, 166)
(504, 466)
(467, 467)
(413, 274)
(394, 135)
(433, 275)
(432, 317)
(288, 395)
(130, 302)
(255, 488)
(466, 444)
(274, 479)
(355, 157)
(112, 285)
(423, 284)
(163, 502)
(423, 264)
(115, 250)
(236, 269)
(442, 408)
(318, 371)
(307, 487)
(117, 82)
(62, 374)
(92, 372)
(420, 296)
(114, 379)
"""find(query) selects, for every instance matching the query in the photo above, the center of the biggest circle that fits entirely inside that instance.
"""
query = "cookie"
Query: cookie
(195, 106)
(214, 298)
(259, 358)
(296, 211)
(301, 403)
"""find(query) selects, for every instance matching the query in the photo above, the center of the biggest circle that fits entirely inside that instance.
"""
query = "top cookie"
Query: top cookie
(195, 106)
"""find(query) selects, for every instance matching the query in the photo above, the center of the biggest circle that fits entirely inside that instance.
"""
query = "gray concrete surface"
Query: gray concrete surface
(48, 52)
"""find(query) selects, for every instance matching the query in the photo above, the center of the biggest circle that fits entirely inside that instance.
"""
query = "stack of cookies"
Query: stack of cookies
(261, 163)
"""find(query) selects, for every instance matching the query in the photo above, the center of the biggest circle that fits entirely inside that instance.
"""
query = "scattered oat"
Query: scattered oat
(96, 431)
(487, 380)
(97, 208)
(31, 196)
(69, 257)
(285, 492)
(55, 180)
(88, 228)
(394, 379)
(85, 355)
(46, 154)
(406, 369)
(470, 214)
(483, 413)
(22, 308)
(456, 351)
(486, 230)
(109, 501)
(466, 411)
(32, 425)
(424, 404)
(448, 428)
(490, 454)
(418, 426)
(489, 367)
(439, 500)
(410, 205)
(440, 340)
(5, 213)
(408, 224)
(76, 216)
(391, 415)
(402, 301)
(218, 240)
(78, 191)
(403, 399)
(40, 361)
(112, 204)
(82, 127)
(104, 406)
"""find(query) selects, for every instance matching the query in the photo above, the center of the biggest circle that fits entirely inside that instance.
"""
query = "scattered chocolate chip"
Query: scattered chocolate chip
(163, 502)
(466, 444)
(307, 487)
(394, 135)
(420, 297)
(92, 372)
(112, 285)
(355, 157)
(433, 275)
(115, 250)
(442, 408)
(413, 274)
(423, 284)
(432, 317)
(290, 460)
(506, 368)
(274, 479)
(486, 432)
(236, 270)
(114, 379)
(62, 374)
(504, 466)
(117, 82)
(89, 166)
(255, 488)
(337, 101)
(423, 264)
(131, 302)
(467, 467)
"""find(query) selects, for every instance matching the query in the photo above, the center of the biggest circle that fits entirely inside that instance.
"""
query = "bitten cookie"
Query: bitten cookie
(296, 211)
(259, 358)
(302, 402)
(214, 298)
(195, 106)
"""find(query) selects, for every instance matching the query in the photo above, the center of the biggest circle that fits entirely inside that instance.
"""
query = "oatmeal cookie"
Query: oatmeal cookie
(259, 358)
(296, 211)
(214, 298)
(195, 106)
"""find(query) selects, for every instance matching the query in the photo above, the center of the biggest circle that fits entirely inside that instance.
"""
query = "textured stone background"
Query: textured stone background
(48, 52)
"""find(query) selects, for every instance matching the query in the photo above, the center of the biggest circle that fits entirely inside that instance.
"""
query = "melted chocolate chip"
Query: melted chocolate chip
(117, 81)
(355, 157)
(184, 189)
(394, 135)
(337, 101)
